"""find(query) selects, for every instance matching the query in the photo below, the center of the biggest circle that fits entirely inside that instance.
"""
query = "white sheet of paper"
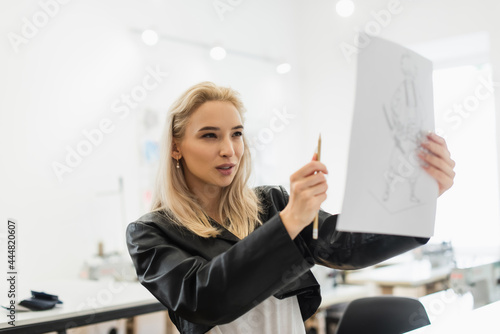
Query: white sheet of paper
(387, 191)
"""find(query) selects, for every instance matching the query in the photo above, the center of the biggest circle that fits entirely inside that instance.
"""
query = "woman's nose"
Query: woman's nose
(227, 148)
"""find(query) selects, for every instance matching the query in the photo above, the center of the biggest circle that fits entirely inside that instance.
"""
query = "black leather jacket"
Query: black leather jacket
(205, 282)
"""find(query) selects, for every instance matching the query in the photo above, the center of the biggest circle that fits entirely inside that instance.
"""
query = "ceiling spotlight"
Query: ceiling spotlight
(149, 37)
(283, 68)
(345, 8)
(218, 53)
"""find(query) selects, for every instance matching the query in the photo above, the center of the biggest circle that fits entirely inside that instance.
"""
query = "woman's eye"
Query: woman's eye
(213, 135)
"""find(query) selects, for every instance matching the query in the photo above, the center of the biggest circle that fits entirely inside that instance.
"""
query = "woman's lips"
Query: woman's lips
(227, 171)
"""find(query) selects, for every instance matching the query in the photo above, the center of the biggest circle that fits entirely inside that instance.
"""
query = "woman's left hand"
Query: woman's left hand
(437, 161)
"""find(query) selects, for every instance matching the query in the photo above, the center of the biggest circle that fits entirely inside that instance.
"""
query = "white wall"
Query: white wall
(69, 74)
(65, 80)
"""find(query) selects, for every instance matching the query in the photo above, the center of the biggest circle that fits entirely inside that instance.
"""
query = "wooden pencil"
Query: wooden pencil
(315, 223)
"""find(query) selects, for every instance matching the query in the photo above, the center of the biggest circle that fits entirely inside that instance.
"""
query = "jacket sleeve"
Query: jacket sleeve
(221, 289)
(347, 250)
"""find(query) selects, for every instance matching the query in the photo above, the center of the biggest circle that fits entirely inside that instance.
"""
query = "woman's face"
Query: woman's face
(212, 146)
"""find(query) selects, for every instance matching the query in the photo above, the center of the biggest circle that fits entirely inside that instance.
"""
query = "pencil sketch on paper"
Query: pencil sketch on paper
(403, 118)
(386, 189)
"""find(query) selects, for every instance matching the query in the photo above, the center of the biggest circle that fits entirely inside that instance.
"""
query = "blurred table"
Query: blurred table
(414, 274)
(85, 302)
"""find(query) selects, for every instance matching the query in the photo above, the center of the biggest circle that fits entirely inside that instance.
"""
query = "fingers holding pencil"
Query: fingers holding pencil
(308, 188)
(307, 192)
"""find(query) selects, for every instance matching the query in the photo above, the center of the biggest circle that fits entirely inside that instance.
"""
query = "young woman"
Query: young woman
(224, 258)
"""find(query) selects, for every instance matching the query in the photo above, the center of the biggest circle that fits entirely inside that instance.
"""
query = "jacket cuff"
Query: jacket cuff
(286, 250)
(275, 227)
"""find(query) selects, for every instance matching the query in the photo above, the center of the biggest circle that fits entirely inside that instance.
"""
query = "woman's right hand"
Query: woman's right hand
(307, 192)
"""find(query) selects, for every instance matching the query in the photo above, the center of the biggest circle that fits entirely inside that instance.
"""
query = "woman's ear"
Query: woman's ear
(176, 152)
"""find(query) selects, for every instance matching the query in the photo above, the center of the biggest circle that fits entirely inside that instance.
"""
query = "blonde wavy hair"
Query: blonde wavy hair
(238, 204)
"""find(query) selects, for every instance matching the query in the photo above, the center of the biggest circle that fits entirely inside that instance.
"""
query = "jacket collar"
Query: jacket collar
(225, 233)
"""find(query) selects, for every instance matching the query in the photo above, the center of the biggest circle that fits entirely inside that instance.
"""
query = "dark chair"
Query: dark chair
(382, 315)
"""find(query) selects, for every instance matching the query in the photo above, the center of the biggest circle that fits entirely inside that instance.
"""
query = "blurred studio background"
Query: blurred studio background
(85, 87)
